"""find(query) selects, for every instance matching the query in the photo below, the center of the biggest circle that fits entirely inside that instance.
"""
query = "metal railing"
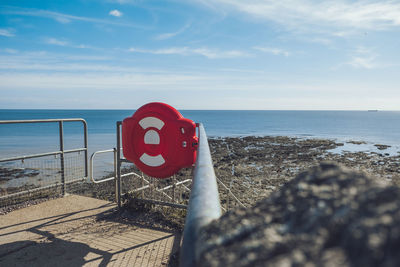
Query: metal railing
(61, 153)
(128, 181)
(142, 183)
(204, 205)
(92, 157)
(158, 192)
(150, 187)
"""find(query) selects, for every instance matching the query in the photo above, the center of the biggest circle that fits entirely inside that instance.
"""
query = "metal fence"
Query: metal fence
(31, 176)
(173, 191)
(132, 183)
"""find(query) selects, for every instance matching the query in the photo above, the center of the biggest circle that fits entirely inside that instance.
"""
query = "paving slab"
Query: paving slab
(73, 231)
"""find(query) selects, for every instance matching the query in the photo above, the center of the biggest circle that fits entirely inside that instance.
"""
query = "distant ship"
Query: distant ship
(372, 110)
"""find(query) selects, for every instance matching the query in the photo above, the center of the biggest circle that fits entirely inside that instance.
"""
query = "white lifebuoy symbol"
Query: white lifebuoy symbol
(153, 138)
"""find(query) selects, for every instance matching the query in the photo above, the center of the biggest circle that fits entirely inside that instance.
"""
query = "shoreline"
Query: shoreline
(264, 164)
(253, 167)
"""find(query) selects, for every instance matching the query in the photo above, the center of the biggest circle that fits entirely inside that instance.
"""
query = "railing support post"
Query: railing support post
(85, 141)
(118, 180)
(61, 132)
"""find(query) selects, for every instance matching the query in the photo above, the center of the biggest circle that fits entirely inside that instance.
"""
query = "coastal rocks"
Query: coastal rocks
(12, 173)
(254, 167)
(382, 147)
(243, 163)
(356, 142)
(326, 216)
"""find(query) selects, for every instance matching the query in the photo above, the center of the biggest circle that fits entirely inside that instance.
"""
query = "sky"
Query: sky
(200, 54)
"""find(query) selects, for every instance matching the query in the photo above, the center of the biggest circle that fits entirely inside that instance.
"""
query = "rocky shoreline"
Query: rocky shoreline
(254, 167)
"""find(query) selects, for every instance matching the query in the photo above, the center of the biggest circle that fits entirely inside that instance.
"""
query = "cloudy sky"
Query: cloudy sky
(200, 54)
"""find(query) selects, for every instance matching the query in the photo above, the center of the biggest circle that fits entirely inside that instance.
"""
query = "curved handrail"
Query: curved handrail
(91, 165)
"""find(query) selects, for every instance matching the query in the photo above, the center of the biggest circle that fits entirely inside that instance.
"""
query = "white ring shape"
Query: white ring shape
(151, 122)
(152, 161)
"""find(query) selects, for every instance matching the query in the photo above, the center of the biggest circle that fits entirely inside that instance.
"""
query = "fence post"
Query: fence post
(115, 172)
(118, 180)
(61, 132)
(85, 141)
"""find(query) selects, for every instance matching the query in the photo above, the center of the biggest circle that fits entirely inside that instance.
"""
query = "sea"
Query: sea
(372, 127)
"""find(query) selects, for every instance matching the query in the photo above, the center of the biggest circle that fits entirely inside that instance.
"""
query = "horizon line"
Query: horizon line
(370, 110)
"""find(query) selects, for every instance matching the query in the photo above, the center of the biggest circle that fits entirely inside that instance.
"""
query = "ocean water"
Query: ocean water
(381, 127)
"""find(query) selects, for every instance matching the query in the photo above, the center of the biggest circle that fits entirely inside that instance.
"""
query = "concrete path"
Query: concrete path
(74, 231)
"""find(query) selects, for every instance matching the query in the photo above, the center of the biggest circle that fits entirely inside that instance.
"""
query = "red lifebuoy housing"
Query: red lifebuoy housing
(158, 140)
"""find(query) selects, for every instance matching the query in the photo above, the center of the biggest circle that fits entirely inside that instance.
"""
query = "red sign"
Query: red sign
(158, 140)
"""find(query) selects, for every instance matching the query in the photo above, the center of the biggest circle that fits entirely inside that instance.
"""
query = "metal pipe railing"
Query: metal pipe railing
(61, 137)
(43, 154)
(91, 175)
(204, 205)
(41, 121)
(62, 150)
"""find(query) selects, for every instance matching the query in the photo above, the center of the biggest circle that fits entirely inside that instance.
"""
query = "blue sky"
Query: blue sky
(200, 54)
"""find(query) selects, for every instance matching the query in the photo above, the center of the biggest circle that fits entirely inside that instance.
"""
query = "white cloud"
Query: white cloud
(122, 2)
(323, 41)
(93, 80)
(54, 41)
(363, 58)
(213, 91)
(115, 13)
(66, 18)
(186, 51)
(59, 62)
(311, 15)
(273, 51)
(6, 33)
(9, 50)
(363, 62)
(165, 36)
(65, 76)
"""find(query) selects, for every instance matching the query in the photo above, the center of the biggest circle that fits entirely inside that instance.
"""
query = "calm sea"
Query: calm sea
(381, 127)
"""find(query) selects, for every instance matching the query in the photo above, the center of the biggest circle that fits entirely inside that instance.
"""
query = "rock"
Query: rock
(382, 147)
(12, 173)
(356, 142)
(326, 216)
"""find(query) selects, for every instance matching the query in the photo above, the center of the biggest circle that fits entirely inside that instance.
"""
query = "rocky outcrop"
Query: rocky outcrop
(12, 173)
(327, 216)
